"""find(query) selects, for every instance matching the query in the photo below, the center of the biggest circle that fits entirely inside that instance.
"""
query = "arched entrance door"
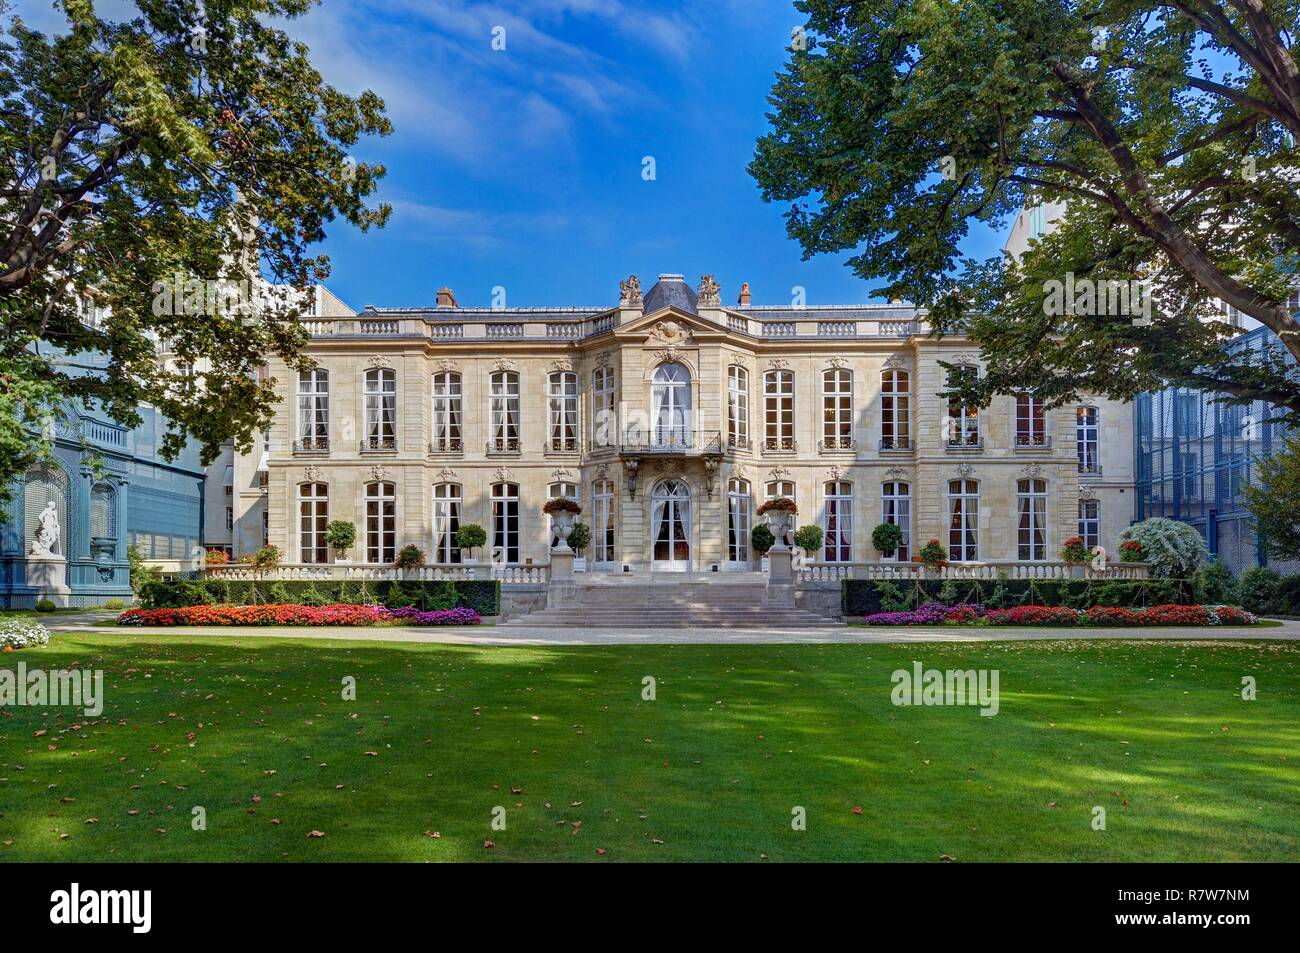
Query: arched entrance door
(670, 526)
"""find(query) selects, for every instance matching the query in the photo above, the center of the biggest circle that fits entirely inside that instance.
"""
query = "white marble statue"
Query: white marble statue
(47, 533)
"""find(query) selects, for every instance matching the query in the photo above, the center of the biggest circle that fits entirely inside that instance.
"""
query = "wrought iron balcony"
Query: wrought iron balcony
(779, 445)
(1033, 441)
(562, 445)
(896, 445)
(500, 445)
(832, 444)
(307, 445)
(447, 445)
(672, 441)
(378, 444)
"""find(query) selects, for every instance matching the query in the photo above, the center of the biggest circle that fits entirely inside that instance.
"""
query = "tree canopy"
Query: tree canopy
(1168, 127)
(184, 145)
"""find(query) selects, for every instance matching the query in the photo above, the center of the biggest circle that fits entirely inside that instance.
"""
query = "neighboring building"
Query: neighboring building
(670, 418)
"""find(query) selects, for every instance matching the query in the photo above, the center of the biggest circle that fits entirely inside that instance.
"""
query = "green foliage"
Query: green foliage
(933, 553)
(886, 538)
(580, 538)
(949, 593)
(868, 596)
(809, 539)
(409, 557)
(481, 595)
(1173, 548)
(141, 573)
(1258, 589)
(892, 598)
(342, 535)
(151, 180)
(1214, 584)
(45, 605)
(267, 558)
(1274, 500)
(470, 537)
(114, 604)
(902, 125)
(761, 538)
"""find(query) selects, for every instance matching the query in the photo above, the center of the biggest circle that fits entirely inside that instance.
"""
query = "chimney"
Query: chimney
(745, 296)
(447, 298)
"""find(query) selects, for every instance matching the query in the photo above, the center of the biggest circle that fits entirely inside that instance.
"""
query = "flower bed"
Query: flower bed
(20, 633)
(936, 613)
(296, 615)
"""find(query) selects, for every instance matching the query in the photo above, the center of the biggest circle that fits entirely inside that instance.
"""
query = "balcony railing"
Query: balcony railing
(311, 445)
(499, 445)
(379, 444)
(780, 445)
(832, 444)
(896, 445)
(1033, 441)
(966, 441)
(672, 440)
(814, 572)
(562, 445)
(447, 445)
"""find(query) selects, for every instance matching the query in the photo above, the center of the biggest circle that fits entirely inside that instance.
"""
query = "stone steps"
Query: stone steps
(677, 616)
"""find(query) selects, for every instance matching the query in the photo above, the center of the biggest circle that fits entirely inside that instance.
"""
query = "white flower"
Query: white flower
(20, 633)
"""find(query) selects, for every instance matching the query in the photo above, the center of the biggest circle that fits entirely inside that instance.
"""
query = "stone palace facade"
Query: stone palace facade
(670, 418)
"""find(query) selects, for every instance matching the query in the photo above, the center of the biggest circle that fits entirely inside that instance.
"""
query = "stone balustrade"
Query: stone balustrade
(358, 572)
(819, 572)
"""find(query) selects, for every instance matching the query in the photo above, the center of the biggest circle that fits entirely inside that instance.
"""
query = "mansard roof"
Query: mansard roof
(671, 291)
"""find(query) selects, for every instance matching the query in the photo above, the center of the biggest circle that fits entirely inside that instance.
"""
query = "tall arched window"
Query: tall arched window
(381, 409)
(602, 523)
(604, 423)
(313, 519)
(447, 435)
(314, 409)
(103, 511)
(963, 424)
(778, 410)
(381, 522)
(505, 522)
(1087, 437)
(43, 484)
(837, 409)
(562, 411)
(738, 524)
(1031, 530)
(895, 410)
(737, 407)
(670, 395)
(838, 545)
(446, 522)
(963, 520)
(896, 498)
(1031, 425)
(503, 412)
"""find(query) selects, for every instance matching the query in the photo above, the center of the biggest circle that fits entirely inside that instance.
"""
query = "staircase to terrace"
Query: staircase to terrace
(676, 601)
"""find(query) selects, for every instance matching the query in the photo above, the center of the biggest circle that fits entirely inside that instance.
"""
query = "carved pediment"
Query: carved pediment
(671, 333)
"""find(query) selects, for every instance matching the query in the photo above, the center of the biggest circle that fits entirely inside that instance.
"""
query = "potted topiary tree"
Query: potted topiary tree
(933, 556)
(564, 512)
(341, 535)
(886, 538)
(409, 557)
(780, 513)
(469, 538)
(1076, 554)
(579, 540)
(761, 538)
(809, 539)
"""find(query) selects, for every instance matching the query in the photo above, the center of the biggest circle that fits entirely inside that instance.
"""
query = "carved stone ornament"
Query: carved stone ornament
(503, 364)
(896, 473)
(562, 367)
(629, 292)
(668, 355)
(964, 359)
(837, 362)
(965, 471)
(379, 473)
(631, 466)
(562, 476)
(710, 475)
(311, 474)
(444, 365)
(1032, 471)
(502, 474)
(447, 476)
(379, 360)
(897, 361)
(836, 474)
(778, 473)
(602, 472)
(708, 293)
(1087, 492)
(669, 332)
(671, 467)
(778, 364)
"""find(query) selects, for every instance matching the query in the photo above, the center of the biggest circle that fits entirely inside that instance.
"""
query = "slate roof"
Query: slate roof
(671, 291)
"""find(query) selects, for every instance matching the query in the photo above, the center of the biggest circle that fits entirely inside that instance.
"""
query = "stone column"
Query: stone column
(780, 578)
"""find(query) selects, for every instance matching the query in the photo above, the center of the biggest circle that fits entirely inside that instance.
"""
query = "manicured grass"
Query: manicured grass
(1154, 732)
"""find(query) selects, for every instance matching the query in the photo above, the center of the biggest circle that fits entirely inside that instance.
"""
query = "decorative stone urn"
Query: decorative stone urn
(780, 522)
(564, 521)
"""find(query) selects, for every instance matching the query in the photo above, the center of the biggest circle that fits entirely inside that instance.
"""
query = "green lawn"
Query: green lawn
(1156, 733)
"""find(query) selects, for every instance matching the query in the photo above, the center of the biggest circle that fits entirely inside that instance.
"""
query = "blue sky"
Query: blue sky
(522, 168)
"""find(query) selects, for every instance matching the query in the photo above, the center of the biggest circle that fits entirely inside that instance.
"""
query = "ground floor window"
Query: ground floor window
(838, 545)
(738, 523)
(670, 523)
(897, 509)
(963, 520)
(505, 523)
(381, 522)
(1031, 505)
(1090, 522)
(446, 522)
(313, 518)
(602, 522)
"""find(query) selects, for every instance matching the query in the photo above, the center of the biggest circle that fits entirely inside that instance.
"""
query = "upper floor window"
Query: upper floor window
(670, 398)
(778, 410)
(446, 522)
(963, 520)
(314, 409)
(1031, 529)
(381, 409)
(562, 411)
(381, 522)
(604, 425)
(838, 540)
(447, 434)
(503, 411)
(837, 409)
(963, 424)
(313, 519)
(895, 410)
(737, 407)
(1087, 438)
(1031, 426)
